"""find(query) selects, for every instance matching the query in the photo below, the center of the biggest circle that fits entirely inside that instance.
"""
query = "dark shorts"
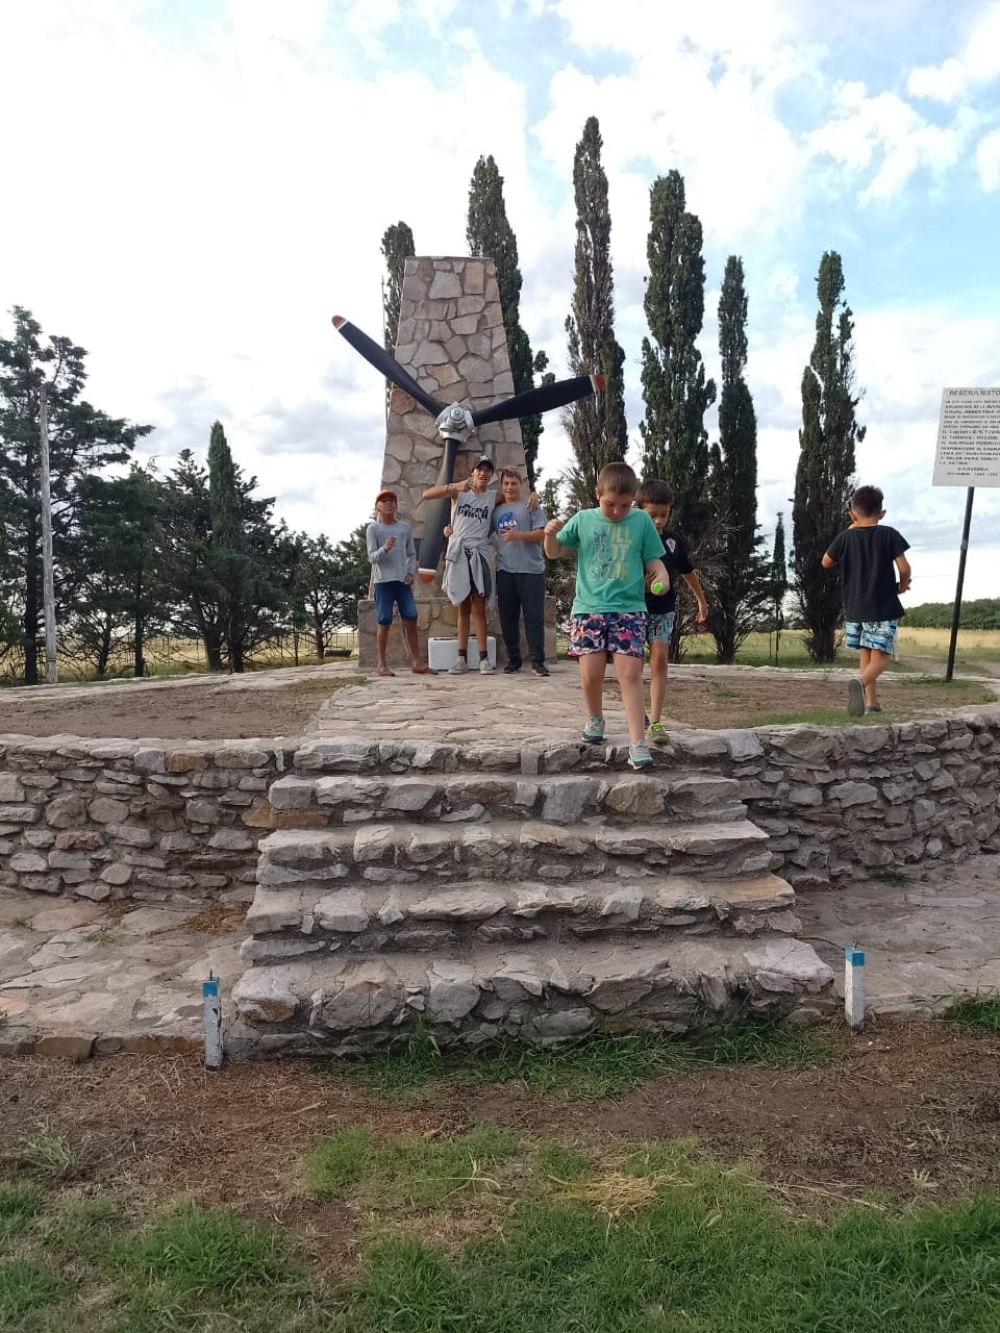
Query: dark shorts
(608, 632)
(394, 593)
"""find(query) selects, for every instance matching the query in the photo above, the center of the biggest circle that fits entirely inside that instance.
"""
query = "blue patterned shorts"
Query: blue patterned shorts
(608, 632)
(877, 634)
(659, 626)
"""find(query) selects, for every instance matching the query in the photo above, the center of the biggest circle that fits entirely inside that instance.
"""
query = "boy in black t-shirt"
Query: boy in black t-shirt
(657, 499)
(869, 557)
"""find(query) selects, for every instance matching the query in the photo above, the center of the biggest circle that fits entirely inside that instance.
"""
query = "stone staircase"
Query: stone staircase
(499, 892)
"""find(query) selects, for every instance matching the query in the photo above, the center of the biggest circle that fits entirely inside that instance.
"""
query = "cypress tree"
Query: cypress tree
(397, 247)
(597, 428)
(490, 235)
(778, 582)
(676, 393)
(824, 477)
(740, 583)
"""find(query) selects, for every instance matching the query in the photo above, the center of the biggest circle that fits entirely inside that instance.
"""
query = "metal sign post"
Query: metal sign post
(968, 454)
(48, 582)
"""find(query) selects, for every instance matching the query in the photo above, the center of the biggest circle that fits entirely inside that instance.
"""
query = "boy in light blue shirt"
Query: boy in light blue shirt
(618, 556)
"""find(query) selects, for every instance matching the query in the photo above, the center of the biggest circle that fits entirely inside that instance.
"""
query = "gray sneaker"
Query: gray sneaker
(460, 667)
(639, 756)
(486, 667)
(593, 732)
(855, 699)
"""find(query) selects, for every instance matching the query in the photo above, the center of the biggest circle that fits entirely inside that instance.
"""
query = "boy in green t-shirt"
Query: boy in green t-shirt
(618, 554)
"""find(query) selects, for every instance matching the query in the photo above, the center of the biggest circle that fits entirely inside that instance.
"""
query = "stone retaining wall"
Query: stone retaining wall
(840, 802)
(105, 819)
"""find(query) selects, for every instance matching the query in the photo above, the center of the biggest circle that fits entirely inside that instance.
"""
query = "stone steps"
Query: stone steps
(436, 853)
(286, 923)
(543, 994)
(556, 798)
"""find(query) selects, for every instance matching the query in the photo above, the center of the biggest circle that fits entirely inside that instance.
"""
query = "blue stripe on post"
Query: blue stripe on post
(855, 957)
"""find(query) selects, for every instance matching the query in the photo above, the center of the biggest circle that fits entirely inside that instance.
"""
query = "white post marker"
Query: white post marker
(213, 1022)
(854, 987)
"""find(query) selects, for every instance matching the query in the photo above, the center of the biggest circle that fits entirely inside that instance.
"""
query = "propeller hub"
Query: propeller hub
(455, 422)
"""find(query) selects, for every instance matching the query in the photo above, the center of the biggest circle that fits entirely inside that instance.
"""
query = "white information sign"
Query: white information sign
(968, 442)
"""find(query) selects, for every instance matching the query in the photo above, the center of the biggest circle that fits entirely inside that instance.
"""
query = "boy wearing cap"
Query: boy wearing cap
(394, 566)
(467, 581)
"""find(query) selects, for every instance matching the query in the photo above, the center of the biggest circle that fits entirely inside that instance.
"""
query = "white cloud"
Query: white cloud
(961, 76)
(885, 134)
(988, 160)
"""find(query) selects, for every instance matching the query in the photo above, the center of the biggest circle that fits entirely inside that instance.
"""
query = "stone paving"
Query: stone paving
(80, 978)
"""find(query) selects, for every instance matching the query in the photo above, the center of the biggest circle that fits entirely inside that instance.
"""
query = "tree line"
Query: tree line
(714, 482)
(192, 553)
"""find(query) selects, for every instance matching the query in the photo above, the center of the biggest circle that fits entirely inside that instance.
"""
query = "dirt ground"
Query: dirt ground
(281, 703)
(906, 1111)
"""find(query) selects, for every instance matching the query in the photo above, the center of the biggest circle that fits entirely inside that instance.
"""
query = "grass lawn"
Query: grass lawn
(500, 1229)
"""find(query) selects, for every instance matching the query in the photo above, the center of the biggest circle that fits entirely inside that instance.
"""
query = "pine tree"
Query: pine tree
(490, 235)
(740, 583)
(824, 477)
(677, 395)
(397, 246)
(778, 583)
(597, 428)
(82, 440)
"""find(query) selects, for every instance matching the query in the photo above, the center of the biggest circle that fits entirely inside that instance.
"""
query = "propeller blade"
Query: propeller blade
(390, 368)
(432, 543)
(542, 399)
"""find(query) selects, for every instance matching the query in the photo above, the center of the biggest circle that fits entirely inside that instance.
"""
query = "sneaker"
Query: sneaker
(511, 667)
(593, 732)
(539, 668)
(486, 667)
(460, 667)
(639, 756)
(657, 733)
(855, 699)
(873, 708)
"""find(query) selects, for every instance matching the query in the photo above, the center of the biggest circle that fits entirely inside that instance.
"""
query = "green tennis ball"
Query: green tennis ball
(656, 587)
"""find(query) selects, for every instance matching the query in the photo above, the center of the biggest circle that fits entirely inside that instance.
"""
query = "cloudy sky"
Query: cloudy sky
(195, 186)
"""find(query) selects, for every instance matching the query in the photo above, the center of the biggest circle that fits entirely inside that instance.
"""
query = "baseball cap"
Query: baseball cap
(387, 495)
(483, 461)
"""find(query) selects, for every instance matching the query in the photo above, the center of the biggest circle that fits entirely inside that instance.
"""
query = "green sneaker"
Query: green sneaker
(656, 733)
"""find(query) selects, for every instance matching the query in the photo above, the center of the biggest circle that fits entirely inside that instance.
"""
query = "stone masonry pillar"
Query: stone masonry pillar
(451, 339)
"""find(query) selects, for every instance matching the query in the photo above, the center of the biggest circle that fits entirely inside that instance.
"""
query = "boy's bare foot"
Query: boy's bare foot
(383, 670)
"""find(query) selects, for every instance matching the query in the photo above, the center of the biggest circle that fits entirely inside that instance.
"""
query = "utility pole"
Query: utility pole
(48, 583)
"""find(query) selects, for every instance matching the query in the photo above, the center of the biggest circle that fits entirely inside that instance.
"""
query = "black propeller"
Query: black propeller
(455, 423)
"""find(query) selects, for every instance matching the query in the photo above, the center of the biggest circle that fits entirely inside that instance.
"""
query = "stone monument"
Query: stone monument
(452, 341)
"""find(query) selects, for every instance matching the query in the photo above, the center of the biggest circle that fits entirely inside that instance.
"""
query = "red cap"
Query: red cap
(387, 495)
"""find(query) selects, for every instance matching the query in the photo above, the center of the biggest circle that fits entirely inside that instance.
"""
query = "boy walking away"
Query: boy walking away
(869, 556)
(617, 549)
(520, 533)
(394, 565)
(657, 499)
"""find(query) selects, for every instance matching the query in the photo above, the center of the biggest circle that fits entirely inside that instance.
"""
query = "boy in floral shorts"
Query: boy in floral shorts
(618, 550)
(869, 557)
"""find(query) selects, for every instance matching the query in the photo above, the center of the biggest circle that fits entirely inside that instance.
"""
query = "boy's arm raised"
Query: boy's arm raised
(551, 545)
(439, 492)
